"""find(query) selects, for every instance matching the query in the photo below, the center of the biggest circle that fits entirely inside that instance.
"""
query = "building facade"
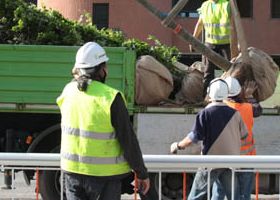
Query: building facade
(260, 18)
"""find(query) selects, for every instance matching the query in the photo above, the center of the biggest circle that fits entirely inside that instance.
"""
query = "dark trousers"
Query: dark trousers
(209, 74)
(82, 187)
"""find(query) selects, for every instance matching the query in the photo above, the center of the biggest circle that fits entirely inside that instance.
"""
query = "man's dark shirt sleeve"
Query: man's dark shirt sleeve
(126, 136)
(257, 109)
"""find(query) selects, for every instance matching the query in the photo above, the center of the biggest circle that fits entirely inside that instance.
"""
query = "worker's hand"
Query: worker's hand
(143, 186)
(174, 148)
(249, 88)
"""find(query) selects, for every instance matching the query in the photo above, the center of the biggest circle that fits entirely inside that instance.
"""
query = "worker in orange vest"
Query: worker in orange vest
(242, 100)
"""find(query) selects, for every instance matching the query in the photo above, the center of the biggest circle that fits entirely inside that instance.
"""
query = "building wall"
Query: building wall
(136, 22)
(262, 31)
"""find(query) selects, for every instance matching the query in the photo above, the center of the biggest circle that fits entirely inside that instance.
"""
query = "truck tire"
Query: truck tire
(153, 192)
(49, 182)
(171, 185)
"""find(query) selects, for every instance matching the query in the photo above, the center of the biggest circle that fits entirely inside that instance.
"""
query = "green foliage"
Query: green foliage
(164, 54)
(22, 23)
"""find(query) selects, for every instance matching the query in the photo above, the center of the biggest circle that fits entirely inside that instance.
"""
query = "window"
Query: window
(245, 8)
(190, 9)
(275, 9)
(100, 15)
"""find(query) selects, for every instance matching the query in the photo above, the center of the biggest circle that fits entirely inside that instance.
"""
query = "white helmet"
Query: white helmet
(90, 55)
(218, 90)
(233, 86)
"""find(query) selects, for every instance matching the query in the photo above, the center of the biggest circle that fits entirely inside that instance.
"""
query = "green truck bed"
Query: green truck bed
(32, 77)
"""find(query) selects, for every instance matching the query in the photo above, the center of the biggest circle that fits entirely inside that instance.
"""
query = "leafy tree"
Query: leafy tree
(24, 23)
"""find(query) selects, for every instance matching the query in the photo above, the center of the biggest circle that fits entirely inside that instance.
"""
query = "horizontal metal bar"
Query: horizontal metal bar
(30, 159)
(154, 162)
(178, 162)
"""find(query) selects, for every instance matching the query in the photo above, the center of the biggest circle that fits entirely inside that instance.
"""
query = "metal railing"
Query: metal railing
(155, 163)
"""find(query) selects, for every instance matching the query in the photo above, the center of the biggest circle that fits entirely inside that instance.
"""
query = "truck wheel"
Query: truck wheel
(49, 182)
(172, 185)
(153, 192)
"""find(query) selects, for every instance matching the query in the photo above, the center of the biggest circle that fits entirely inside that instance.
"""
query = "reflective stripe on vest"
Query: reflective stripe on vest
(89, 145)
(88, 134)
(93, 160)
(248, 151)
(218, 37)
(216, 21)
(246, 112)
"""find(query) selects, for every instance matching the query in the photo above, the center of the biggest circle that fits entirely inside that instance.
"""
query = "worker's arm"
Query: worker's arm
(127, 138)
(249, 89)
(188, 140)
(194, 136)
(185, 142)
(233, 38)
(257, 108)
(197, 31)
(175, 146)
(198, 28)
(128, 141)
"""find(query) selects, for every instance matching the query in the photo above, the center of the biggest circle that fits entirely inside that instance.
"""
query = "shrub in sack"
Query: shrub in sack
(154, 82)
(192, 85)
(262, 69)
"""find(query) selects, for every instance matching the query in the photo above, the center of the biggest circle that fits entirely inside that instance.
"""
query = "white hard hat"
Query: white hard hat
(90, 55)
(233, 86)
(218, 90)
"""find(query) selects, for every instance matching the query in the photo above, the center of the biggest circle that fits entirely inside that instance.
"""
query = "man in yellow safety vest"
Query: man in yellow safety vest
(98, 145)
(216, 20)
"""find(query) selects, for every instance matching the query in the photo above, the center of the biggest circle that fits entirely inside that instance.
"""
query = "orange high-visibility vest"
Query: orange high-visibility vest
(246, 112)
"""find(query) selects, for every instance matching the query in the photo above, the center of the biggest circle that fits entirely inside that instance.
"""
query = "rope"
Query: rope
(37, 184)
(177, 29)
(184, 186)
(257, 186)
(135, 186)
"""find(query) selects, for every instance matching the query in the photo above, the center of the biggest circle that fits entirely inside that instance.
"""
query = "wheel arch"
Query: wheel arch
(47, 140)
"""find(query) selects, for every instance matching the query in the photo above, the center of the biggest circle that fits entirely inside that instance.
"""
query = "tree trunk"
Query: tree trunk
(240, 33)
(174, 12)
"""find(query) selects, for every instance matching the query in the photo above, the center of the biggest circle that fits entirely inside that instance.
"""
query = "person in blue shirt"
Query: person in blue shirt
(220, 128)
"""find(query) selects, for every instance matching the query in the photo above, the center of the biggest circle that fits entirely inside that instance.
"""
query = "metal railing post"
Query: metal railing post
(61, 184)
(208, 183)
(159, 185)
(232, 183)
(13, 180)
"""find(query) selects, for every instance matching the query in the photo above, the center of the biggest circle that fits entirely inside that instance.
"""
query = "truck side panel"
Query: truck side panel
(36, 75)
(156, 132)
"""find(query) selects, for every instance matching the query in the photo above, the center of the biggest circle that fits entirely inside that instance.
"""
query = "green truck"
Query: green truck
(32, 77)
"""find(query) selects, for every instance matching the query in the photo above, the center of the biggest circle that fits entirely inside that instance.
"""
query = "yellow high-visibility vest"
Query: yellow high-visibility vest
(216, 21)
(88, 144)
